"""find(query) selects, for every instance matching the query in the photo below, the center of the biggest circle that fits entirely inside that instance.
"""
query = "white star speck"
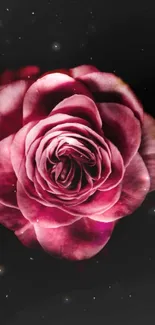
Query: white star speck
(67, 300)
(56, 46)
(2, 270)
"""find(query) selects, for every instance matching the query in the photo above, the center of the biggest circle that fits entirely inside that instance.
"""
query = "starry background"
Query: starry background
(118, 285)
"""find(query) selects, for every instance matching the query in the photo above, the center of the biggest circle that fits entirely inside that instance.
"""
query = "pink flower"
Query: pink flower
(77, 153)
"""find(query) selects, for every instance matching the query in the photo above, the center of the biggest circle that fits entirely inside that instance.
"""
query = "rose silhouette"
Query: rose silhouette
(77, 154)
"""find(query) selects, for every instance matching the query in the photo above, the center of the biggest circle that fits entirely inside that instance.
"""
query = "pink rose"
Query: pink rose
(77, 153)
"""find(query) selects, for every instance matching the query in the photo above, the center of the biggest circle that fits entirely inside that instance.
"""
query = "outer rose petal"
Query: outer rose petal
(80, 106)
(82, 70)
(27, 236)
(47, 92)
(63, 71)
(136, 184)
(122, 128)
(7, 175)
(147, 148)
(81, 240)
(29, 72)
(11, 99)
(11, 218)
(6, 77)
(18, 148)
(106, 86)
(18, 157)
(45, 216)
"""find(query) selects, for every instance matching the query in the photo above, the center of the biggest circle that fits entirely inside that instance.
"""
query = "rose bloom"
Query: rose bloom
(77, 153)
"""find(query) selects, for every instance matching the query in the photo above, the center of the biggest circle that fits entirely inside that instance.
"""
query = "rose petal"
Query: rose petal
(30, 159)
(47, 92)
(63, 71)
(7, 76)
(48, 124)
(11, 99)
(77, 129)
(27, 236)
(29, 72)
(19, 163)
(147, 148)
(45, 216)
(96, 204)
(122, 128)
(7, 175)
(81, 240)
(136, 184)
(102, 169)
(11, 218)
(18, 149)
(82, 70)
(18, 158)
(80, 106)
(117, 169)
(106, 86)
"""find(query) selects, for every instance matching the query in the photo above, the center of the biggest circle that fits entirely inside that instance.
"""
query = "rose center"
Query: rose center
(71, 164)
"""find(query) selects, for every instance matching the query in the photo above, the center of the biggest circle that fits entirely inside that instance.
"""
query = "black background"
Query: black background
(118, 285)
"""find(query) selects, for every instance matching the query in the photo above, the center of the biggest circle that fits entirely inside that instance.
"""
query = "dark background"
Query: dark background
(118, 285)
